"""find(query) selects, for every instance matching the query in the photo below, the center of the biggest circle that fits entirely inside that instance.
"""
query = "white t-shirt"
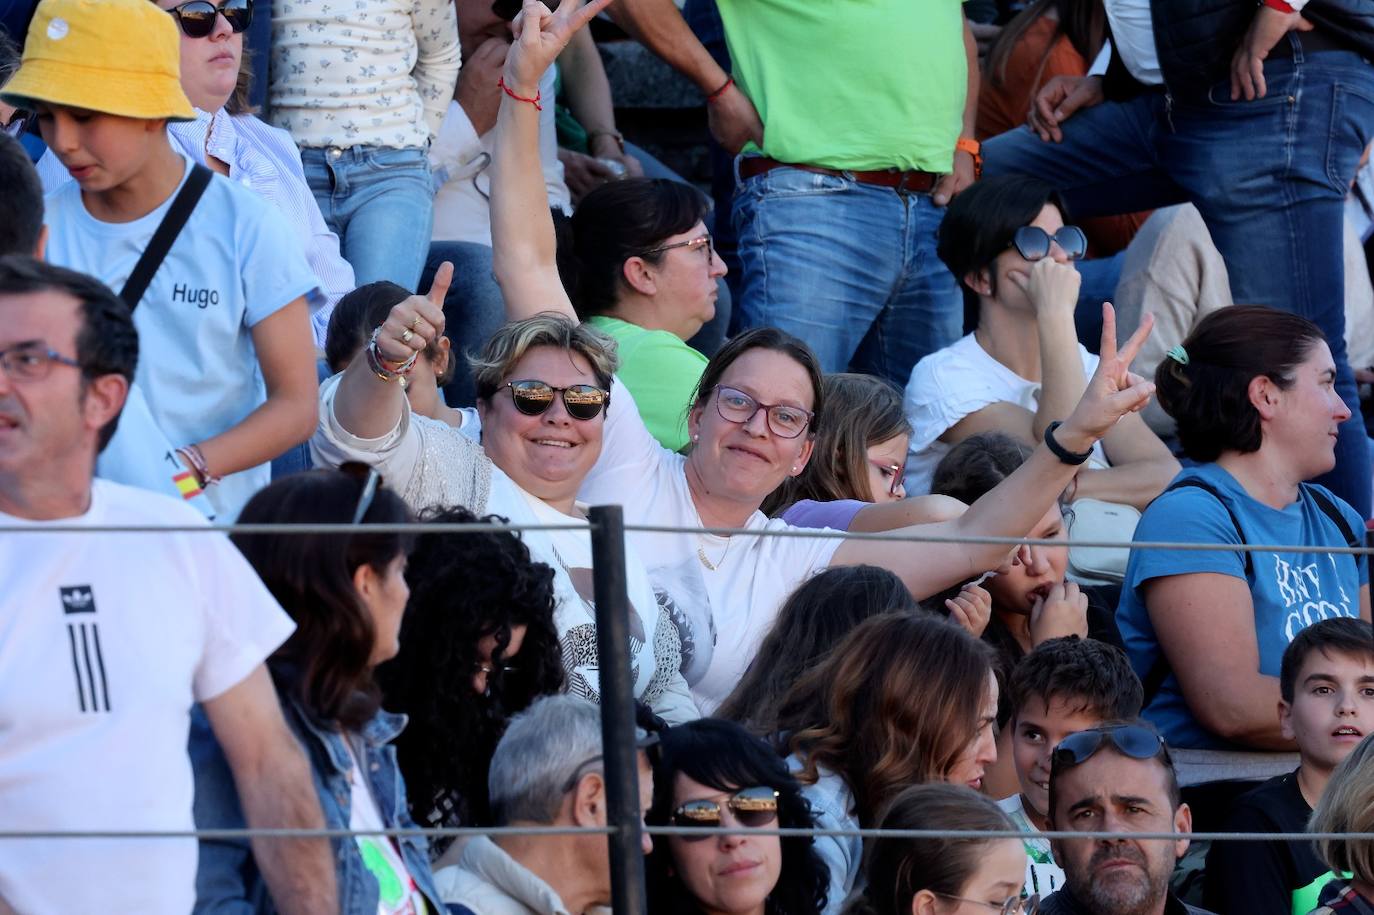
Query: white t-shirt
(721, 613)
(235, 263)
(106, 640)
(954, 382)
(1043, 875)
(397, 893)
(655, 648)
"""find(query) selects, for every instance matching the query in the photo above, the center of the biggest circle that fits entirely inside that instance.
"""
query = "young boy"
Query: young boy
(1326, 679)
(1063, 686)
(226, 372)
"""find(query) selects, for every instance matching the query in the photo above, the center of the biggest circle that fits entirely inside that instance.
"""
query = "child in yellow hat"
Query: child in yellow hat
(227, 368)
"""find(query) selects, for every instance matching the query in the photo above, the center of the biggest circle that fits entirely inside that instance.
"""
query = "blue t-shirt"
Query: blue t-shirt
(1290, 591)
(235, 262)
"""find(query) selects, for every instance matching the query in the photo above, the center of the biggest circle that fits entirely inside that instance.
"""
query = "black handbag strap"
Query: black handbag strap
(167, 232)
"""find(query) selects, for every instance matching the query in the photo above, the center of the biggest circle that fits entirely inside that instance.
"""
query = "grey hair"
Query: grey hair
(509, 344)
(551, 742)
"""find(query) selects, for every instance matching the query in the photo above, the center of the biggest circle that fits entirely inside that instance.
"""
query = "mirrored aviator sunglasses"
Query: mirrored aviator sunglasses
(197, 17)
(1130, 739)
(582, 401)
(1033, 242)
(752, 808)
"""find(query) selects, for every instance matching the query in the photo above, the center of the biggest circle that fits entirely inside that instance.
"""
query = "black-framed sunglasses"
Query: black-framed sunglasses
(752, 808)
(509, 9)
(1133, 740)
(1033, 242)
(784, 420)
(691, 244)
(1014, 905)
(197, 17)
(582, 401)
(32, 360)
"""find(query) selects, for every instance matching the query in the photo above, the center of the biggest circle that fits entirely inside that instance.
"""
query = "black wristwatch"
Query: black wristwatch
(1059, 451)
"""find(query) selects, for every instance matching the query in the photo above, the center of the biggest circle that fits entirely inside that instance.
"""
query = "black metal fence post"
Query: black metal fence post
(628, 895)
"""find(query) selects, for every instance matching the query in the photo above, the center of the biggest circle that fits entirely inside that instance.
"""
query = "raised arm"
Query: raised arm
(1014, 505)
(522, 238)
(366, 404)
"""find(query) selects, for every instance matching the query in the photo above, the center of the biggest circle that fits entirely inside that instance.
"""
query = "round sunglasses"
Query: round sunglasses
(751, 808)
(582, 401)
(197, 17)
(1033, 242)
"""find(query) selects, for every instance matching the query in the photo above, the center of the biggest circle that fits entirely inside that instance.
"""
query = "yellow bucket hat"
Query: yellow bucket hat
(119, 57)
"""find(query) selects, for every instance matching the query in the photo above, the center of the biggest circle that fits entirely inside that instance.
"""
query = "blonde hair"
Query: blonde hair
(509, 345)
(1347, 805)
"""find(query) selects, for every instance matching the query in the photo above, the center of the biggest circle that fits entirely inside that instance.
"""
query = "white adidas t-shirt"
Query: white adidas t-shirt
(950, 384)
(721, 613)
(235, 263)
(106, 640)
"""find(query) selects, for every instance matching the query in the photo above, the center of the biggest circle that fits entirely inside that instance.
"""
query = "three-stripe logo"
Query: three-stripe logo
(83, 637)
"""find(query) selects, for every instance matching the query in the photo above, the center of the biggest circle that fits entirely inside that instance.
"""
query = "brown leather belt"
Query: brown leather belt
(914, 181)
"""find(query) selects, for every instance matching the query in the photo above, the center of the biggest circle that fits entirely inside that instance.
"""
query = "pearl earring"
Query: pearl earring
(696, 438)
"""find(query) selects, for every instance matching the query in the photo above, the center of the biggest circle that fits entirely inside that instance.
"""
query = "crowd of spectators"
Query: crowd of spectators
(1117, 585)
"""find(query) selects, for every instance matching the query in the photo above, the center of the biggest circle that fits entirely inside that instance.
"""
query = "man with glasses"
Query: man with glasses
(547, 771)
(1116, 778)
(1022, 368)
(108, 639)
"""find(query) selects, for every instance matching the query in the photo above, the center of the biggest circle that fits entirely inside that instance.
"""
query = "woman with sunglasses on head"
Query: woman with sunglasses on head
(944, 875)
(542, 389)
(713, 774)
(230, 139)
(855, 736)
(363, 89)
(347, 594)
(475, 650)
(1252, 391)
(752, 420)
(1022, 368)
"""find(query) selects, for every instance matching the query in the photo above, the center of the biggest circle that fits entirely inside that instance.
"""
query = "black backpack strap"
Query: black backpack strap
(167, 232)
(1159, 671)
(1333, 511)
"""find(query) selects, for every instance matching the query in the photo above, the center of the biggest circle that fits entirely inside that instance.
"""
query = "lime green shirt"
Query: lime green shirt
(853, 84)
(661, 372)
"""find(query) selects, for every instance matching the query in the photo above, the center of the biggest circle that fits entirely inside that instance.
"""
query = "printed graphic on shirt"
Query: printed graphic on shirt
(396, 892)
(83, 638)
(1305, 600)
(681, 592)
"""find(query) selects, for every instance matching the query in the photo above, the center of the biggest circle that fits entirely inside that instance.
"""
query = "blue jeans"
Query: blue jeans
(380, 202)
(850, 268)
(1269, 177)
(473, 309)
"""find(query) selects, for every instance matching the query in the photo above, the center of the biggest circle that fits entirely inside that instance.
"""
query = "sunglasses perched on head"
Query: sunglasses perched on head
(509, 9)
(1033, 242)
(752, 808)
(582, 401)
(1131, 740)
(197, 17)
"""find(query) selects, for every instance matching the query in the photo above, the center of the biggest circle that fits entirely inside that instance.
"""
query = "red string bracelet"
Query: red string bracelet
(721, 91)
(538, 96)
(1279, 5)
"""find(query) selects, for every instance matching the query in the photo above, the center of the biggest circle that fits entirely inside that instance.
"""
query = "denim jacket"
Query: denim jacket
(228, 881)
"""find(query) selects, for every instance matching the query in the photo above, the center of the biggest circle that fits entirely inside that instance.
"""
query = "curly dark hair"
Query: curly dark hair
(464, 587)
(723, 755)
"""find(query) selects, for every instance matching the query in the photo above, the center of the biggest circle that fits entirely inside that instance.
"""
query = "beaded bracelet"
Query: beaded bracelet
(195, 459)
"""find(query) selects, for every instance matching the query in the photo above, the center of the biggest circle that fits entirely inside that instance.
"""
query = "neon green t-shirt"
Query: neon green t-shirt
(853, 84)
(661, 372)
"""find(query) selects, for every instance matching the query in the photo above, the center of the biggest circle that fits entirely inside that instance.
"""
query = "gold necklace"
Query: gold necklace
(701, 554)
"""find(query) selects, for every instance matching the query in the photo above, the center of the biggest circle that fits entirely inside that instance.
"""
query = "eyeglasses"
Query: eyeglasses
(751, 807)
(197, 17)
(509, 9)
(1015, 905)
(692, 244)
(1033, 242)
(582, 401)
(896, 471)
(784, 420)
(32, 361)
(1132, 740)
